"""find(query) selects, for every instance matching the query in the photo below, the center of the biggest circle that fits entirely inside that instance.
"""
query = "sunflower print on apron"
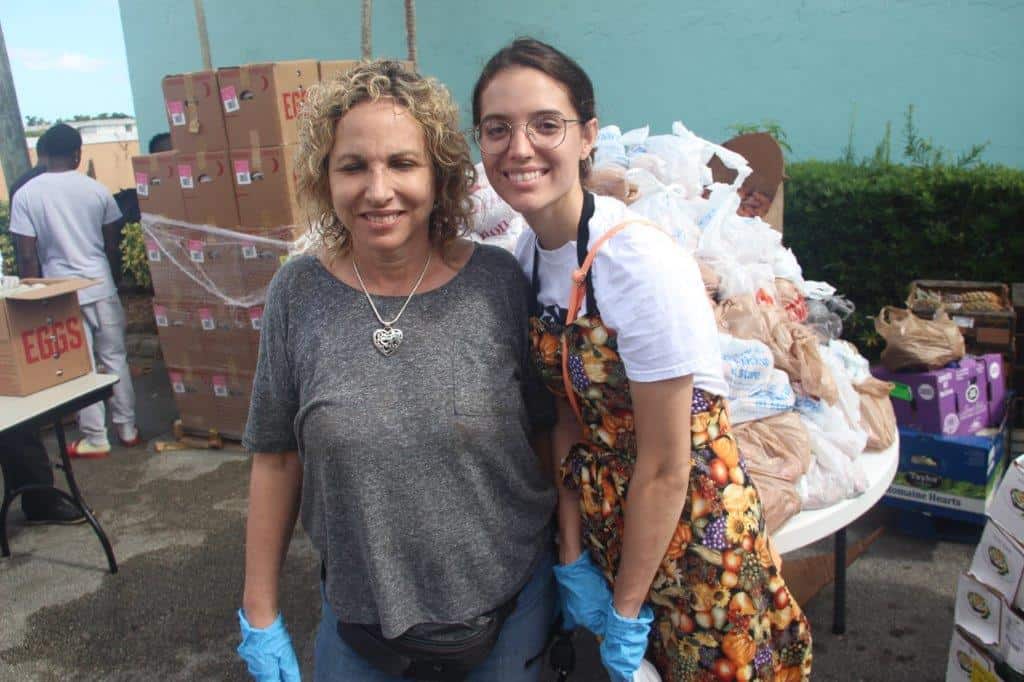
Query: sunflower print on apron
(722, 609)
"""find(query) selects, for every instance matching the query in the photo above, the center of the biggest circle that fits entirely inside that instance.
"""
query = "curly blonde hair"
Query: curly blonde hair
(433, 108)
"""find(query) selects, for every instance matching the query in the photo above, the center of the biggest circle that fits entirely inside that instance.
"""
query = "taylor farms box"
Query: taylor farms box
(964, 656)
(950, 401)
(999, 562)
(208, 336)
(265, 188)
(1011, 644)
(1008, 505)
(42, 337)
(952, 476)
(207, 188)
(158, 186)
(192, 104)
(261, 102)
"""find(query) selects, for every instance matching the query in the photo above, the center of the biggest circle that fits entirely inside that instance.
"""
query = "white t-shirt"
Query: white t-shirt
(66, 212)
(649, 291)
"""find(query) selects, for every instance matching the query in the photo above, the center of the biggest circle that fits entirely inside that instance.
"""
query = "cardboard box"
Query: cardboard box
(964, 655)
(978, 610)
(998, 562)
(192, 104)
(212, 400)
(261, 102)
(265, 188)
(158, 186)
(768, 171)
(1011, 639)
(1008, 504)
(951, 476)
(950, 401)
(331, 69)
(42, 336)
(207, 188)
(995, 384)
(208, 336)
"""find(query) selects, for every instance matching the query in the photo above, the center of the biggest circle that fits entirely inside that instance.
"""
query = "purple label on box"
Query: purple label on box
(995, 379)
(949, 401)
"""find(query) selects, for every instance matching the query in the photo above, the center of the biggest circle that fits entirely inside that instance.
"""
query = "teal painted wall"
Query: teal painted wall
(811, 65)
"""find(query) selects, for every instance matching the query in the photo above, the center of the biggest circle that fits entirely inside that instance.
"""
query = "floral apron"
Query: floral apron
(722, 610)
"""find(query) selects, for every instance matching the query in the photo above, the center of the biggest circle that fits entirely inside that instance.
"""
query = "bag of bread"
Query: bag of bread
(876, 412)
(913, 343)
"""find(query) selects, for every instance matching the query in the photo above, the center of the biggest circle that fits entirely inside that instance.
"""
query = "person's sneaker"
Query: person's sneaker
(83, 449)
(59, 513)
(128, 435)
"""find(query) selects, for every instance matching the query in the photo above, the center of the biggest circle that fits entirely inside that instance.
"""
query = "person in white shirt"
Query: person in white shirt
(71, 223)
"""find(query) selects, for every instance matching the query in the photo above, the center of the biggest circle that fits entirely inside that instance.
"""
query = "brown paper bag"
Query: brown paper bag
(914, 343)
(876, 412)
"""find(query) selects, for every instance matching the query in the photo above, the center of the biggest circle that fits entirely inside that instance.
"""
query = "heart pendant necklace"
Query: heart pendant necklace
(388, 338)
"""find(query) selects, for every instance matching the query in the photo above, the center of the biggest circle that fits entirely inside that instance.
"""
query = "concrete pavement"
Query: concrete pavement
(176, 521)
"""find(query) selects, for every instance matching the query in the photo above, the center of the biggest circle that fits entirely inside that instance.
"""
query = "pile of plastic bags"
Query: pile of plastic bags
(803, 403)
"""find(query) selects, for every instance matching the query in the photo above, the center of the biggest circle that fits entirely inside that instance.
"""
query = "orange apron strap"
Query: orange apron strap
(578, 291)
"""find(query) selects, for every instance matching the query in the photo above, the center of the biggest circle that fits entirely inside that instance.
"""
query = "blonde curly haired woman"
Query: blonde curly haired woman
(393, 407)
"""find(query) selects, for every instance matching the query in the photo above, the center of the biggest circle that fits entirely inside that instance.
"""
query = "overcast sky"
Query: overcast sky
(67, 57)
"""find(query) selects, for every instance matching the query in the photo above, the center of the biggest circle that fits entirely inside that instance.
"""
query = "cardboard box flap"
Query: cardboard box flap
(763, 154)
(54, 287)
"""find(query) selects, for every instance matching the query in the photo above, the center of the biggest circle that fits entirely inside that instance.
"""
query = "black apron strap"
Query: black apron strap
(582, 243)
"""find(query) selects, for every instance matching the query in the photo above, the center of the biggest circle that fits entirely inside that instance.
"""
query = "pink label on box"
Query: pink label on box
(206, 319)
(242, 176)
(142, 184)
(176, 108)
(177, 381)
(195, 251)
(220, 385)
(185, 176)
(160, 313)
(230, 99)
(256, 317)
(152, 250)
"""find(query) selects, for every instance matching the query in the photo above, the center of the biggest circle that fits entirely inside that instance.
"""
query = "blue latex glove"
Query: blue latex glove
(583, 594)
(268, 651)
(625, 641)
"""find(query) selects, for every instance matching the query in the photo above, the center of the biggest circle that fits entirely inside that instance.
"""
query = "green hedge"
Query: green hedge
(870, 229)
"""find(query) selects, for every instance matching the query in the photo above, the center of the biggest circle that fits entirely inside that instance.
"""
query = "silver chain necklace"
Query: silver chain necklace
(387, 339)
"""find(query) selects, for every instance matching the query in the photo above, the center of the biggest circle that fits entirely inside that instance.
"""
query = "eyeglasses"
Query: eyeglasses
(545, 131)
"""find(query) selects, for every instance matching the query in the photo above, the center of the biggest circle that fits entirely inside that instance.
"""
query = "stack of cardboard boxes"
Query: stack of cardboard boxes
(988, 636)
(222, 212)
(953, 437)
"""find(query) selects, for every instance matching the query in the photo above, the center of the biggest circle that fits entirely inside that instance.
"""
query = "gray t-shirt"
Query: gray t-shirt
(420, 489)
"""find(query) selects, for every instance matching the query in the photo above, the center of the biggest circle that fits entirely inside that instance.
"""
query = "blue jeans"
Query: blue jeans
(522, 637)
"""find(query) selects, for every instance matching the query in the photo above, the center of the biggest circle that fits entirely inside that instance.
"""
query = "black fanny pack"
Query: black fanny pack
(436, 653)
(445, 653)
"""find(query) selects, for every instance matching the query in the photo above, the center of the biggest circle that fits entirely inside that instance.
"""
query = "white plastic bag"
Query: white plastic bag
(668, 208)
(832, 476)
(756, 389)
(646, 673)
(492, 220)
(609, 149)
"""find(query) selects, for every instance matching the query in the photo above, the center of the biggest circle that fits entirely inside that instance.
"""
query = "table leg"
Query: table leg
(77, 495)
(839, 596)
(5, 550)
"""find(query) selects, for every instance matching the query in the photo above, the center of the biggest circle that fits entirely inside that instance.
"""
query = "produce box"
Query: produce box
(999, 562)
(265, 188)
(331, 69)
(950, 401)
(261, 102)
(978, 610)
(42, 336)
(208, 336)
(193, 112)
(982, 310)
(207, 188)
(964, 656)
(158, 186)
(217, 400)
(1008, 506)
(950, 476)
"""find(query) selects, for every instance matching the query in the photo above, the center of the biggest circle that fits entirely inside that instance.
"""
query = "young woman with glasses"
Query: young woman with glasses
(663, 548)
